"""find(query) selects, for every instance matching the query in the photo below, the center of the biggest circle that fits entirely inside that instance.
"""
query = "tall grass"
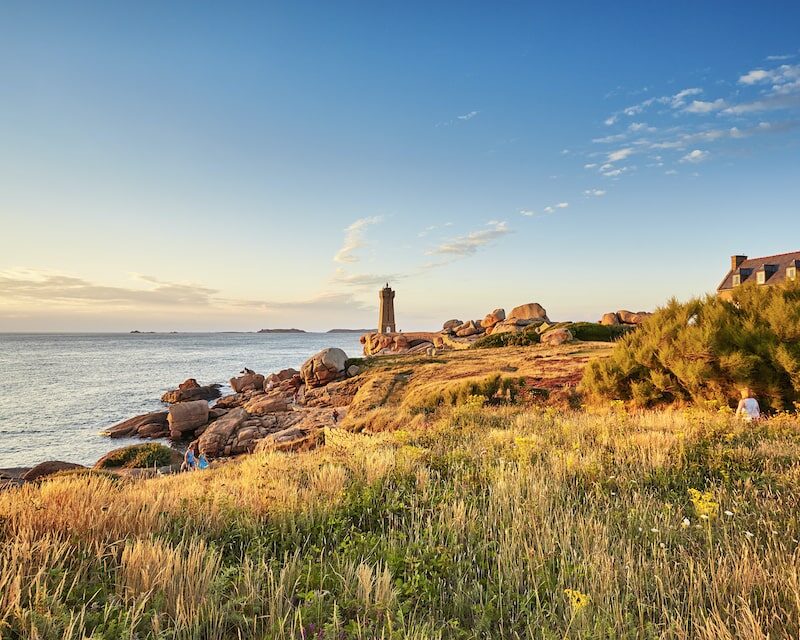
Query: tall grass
(472, 526)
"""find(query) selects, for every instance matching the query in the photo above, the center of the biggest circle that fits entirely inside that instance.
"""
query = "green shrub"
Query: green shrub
(138, 456)
(705, 349)
(525, 338)
(594, 332)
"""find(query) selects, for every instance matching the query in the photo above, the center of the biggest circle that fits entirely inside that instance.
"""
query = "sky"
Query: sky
(234, 166)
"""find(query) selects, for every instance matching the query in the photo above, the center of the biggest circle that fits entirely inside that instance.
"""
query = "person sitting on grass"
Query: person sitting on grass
(189, 460)
(202, 461)
(748, 408)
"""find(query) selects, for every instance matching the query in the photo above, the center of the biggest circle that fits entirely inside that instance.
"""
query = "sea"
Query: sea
(60, 390)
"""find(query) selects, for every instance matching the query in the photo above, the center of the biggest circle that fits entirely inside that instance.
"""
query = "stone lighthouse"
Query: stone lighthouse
(386, 322)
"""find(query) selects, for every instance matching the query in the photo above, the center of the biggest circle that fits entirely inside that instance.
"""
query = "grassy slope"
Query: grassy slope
(397, 385)
(471, 527)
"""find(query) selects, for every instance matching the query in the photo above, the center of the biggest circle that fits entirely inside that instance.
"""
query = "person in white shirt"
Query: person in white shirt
(748, 408)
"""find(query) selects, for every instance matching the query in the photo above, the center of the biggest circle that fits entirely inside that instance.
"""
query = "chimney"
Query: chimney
(736, 261)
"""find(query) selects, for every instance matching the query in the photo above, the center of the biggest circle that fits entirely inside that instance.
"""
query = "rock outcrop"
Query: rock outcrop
(191, 390)
(324, 367)
(609, 319)
(44, 469)
(247, 382)
(557, 336)
(400, 343)
(451, 325)
(492, 319)
(530, 311)
(624, 316)
(148, 425)
(185, 417)
(468, 329)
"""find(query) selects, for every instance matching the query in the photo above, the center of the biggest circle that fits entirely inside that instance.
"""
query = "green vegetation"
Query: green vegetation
(461, 392)
(491, 522)
(595, 332)
(138, 456)
(525, 338)
(704, 350)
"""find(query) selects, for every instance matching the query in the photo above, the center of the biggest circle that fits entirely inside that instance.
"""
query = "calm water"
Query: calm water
(60, 390)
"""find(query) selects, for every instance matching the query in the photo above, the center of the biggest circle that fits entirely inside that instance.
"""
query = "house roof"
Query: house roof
(781, 261)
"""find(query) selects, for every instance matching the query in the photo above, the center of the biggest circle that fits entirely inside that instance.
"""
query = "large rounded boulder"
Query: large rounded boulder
(530, 311)
(324, 367)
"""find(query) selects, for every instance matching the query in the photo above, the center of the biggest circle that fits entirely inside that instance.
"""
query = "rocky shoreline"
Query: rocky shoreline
(290, 410)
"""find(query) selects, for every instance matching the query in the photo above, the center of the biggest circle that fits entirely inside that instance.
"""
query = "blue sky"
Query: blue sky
(235, 166)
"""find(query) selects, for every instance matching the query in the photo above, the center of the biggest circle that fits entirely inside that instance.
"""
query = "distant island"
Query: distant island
(280, 331)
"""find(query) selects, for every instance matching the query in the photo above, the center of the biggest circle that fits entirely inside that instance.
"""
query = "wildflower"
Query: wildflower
(728, 513)
(704, 504)
(577, 600)
(686, 522)
(749, 535)
(662, 545)
(653, 530)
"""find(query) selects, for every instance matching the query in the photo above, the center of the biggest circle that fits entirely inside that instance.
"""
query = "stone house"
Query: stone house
(767, 271)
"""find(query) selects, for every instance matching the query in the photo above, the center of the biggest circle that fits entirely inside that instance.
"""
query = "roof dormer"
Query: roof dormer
(765, 272)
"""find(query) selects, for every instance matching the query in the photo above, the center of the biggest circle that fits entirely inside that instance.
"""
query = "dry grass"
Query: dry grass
(472, 527)
(398, 387)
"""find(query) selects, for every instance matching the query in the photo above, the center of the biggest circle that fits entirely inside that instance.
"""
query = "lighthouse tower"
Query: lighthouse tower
(386, 322)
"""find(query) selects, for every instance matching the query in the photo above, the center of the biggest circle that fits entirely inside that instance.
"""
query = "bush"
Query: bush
(138, 456)
(594, 332)
(704, 350)
(526, 338)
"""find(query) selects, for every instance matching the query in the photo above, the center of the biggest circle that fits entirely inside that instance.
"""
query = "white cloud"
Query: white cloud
(679, 99)
(553, 208)
(702, 106)
(606, 139)
(620, 154)
(468, 116)
(783, 79)
(610, 120)
(777, 58)
(695, 156)
(670, 172)
(640, 126)
(590, 165)
(528, 213)
(675, 101)
(362, 280)
(468, 244)
(354, 239)
(595, 192)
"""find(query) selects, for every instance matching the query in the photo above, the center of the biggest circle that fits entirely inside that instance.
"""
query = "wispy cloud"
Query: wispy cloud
(553, 208)
(620, 154)
(44, 292)
(702, 106)
(468, 244)
(695, 156)
(787, 56)
(354, 239)
(594, 192)
(363, 280)
(57, 288)
(468, 116)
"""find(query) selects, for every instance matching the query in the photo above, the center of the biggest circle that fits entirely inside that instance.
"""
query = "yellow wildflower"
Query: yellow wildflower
(577, 600)
(704, 504)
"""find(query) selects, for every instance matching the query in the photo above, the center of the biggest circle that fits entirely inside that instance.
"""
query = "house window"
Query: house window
(791, 273)
(761, 277)
(737, 280)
